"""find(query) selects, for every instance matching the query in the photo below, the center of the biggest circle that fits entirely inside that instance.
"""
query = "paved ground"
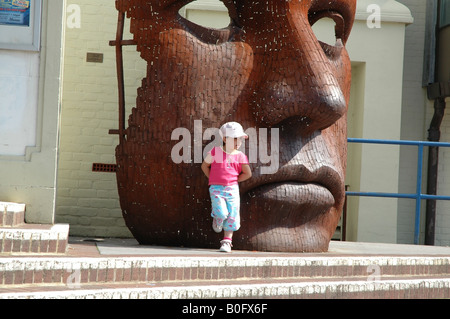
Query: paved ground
(129, 247)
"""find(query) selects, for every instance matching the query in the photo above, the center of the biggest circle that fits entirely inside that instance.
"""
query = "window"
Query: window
(20, 24)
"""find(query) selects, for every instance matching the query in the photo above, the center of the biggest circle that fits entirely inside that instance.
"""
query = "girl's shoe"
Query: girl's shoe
(217, 228)
(226, 246)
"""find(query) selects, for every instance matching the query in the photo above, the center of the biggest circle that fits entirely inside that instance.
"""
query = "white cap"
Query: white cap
(232, 129)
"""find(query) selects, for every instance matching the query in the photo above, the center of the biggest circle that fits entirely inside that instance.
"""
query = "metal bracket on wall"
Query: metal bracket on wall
(118, 43)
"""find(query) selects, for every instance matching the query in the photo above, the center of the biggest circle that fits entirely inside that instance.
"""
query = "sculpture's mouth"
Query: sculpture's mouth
(289, 204)
(296, 188)
(307, 183)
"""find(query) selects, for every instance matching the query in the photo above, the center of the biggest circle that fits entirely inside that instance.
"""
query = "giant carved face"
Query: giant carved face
(266, 70)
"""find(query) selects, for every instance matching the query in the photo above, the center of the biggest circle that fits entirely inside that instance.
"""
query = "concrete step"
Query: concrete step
(297, 276)
(120, 268)
(33, 238)
(416, 287)
(45, 270)
(11, 214)
(17, 237)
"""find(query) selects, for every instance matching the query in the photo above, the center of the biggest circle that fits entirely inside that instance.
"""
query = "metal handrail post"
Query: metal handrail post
(418, 193)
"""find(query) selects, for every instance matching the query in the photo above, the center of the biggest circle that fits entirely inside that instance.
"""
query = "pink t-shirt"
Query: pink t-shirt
(225, 168)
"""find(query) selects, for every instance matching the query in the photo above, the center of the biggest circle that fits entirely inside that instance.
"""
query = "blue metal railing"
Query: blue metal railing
(418, 196)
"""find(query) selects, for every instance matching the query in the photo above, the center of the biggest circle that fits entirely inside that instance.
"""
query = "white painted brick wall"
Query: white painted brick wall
(88, 200)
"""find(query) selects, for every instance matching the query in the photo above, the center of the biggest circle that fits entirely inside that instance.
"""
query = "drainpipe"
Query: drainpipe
(437, 91)
(434, 135)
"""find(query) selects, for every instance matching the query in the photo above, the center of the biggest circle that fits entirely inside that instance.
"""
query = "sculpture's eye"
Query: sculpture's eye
(214, 15)
(323, 15)
(210, 23)
(330, 29)
(329, 26)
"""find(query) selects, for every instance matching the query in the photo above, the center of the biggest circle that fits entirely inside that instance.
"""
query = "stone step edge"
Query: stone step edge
(38, 270)
(74, 282)
(48, 239)
(11, 214)
(410, 288)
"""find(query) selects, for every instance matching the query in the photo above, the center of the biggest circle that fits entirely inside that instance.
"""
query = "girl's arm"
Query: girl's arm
(206, 165)
(245, 174)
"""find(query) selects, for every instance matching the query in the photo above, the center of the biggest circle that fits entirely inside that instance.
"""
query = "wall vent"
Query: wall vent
(108, 168)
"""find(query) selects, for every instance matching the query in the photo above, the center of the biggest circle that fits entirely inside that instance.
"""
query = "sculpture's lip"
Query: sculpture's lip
(284, 198)
(325, 177)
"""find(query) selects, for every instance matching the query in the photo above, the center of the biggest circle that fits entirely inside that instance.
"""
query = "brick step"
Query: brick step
(425, 287)
(33, 238)
(138, 269)
(11, 214)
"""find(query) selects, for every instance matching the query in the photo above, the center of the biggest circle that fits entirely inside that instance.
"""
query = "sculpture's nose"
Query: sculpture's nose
(298, 77)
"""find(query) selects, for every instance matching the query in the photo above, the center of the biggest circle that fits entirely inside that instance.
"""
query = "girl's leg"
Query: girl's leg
(233, 221)
(228, 234)
(219, 211)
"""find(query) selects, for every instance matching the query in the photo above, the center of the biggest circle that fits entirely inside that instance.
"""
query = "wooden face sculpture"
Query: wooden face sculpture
(266, 70)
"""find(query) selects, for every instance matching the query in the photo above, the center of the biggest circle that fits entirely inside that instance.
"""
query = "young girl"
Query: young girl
(225, 167)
